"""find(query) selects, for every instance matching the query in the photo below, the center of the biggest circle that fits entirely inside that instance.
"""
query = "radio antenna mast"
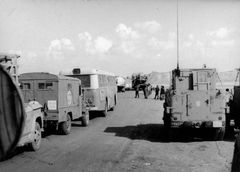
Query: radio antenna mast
(177, 40)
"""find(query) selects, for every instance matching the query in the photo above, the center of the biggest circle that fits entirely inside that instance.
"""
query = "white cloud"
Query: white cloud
(140, 38)
(60, 44)
(129, 38)
(191, 36)
(86, 36)
(18, 52)
(93, 46)
(126, 32)
(67, 43)
(222, 42)
(128, 46)
(58, 47)
(150, 26)
(221, 37)
(162, 44)
(102, 44)
(220, 33)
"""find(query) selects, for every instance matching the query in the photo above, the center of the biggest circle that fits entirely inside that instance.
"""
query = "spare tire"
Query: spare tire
(12, 114)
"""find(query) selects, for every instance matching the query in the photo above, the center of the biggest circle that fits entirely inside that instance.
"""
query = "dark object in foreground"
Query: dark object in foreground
(236, 155)
(11, 114)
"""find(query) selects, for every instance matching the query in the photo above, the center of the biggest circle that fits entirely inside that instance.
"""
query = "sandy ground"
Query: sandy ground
(131, 138)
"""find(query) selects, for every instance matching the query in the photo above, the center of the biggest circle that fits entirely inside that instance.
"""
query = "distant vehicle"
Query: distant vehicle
(121, 84)
(61, 97)
(193, 102)
(128, 85)
(99, 87)
(33, 125)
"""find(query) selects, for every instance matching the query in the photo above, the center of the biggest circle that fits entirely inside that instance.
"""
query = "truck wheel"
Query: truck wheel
(105, 110)
(236, 155)
(115, 100)
(65, 127)
(85, 119)
(35, 144)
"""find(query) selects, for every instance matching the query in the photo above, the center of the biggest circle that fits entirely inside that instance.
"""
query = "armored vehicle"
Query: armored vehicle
(192, 101)
(61, 97)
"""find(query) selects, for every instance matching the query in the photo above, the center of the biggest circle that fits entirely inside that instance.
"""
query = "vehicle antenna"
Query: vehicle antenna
(177, 70)
(177, 40)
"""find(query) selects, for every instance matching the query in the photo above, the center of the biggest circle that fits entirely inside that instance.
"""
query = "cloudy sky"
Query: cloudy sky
(120, 36)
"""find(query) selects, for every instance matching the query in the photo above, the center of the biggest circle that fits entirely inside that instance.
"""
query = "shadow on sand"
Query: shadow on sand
(157, 133)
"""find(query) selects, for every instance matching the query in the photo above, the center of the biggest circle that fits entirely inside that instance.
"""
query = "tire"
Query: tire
(36, 143)
(105, 109)
(65, 127)
(85, 119)
(112, 108)
(236, 155)
(115, 100)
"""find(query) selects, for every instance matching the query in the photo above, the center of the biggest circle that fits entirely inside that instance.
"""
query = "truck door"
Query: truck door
(27, 88)
(197, 107)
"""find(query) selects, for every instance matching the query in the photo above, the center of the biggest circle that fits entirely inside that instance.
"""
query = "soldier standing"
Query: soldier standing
(156, 92)
(228, 97)
(137, 91)
(162, 93)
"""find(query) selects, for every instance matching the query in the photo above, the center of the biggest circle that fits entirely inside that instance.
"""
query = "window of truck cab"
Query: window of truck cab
(45, 86)
(26, 86)
(85, 80)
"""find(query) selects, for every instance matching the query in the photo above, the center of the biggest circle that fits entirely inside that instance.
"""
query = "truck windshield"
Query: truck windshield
(85, 80)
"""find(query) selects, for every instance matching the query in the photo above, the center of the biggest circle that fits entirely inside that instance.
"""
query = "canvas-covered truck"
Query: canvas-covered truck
(33, 115)
(193, 102)
(61, 97)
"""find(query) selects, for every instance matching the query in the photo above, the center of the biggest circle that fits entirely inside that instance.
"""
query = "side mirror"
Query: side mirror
(12, 114)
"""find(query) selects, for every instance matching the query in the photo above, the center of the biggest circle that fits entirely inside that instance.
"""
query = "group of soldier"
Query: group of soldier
(147, 89)
(162, 93)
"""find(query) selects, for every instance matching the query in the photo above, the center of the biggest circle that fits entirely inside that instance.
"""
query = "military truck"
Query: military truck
(33, 123)
(61, 97)
(193, 102)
